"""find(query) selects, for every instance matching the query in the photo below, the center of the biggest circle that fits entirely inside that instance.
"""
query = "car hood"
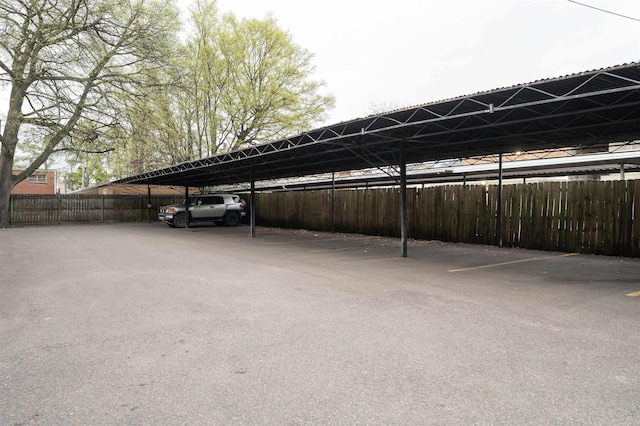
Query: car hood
(172, 205)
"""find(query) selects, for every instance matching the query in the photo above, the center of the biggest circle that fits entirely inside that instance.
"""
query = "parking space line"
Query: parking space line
(294, 242)
(634, 294)
(363, 246)
(511, 262)
(334, 249)
(382, 259)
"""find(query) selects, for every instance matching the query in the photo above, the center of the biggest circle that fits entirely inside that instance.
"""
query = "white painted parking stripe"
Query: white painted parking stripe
(492, 265)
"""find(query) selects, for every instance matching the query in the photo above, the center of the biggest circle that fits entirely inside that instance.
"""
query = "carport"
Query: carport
(582, 110)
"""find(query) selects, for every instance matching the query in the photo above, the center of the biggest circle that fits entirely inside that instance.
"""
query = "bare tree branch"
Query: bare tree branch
(67, 63)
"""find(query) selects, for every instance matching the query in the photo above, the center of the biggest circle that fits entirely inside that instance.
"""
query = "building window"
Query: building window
(38, 179)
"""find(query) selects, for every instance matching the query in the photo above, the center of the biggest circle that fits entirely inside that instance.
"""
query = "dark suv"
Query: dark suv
(225, 209)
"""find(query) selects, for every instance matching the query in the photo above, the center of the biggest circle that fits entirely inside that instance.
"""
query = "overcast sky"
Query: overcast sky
(378, 55)
(402, 53)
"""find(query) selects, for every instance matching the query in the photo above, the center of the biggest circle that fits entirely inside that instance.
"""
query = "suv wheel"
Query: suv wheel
(231, 219)
(179, 220)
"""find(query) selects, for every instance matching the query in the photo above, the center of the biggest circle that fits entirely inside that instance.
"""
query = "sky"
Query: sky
(377, 56)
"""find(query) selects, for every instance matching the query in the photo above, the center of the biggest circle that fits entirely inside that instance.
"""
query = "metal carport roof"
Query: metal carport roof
(451, 172)
(583, 109)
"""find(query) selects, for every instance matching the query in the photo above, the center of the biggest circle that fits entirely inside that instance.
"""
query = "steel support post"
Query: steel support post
(333, 202)
(252, 207)
(499, 218)
(149, 203)
(403, 200)
(186, 206)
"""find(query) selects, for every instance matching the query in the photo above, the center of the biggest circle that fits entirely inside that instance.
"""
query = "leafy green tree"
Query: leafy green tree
(86, 169)
(269, 93)
(69, 65)
(234, 83)
(149, 135)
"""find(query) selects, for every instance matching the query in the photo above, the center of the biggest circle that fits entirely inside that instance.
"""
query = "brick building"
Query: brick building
(39, 182)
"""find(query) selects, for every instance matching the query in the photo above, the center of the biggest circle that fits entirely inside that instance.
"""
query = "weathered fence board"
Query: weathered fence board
(587, 217)
(47, 209)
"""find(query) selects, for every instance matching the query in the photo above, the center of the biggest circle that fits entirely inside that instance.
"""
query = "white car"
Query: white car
(226, 209)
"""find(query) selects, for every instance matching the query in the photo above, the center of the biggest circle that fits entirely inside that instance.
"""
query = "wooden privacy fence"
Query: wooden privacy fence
(586, 217)
(43, 209)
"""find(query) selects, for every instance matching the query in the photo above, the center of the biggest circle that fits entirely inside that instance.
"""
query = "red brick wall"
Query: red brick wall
(47, 187)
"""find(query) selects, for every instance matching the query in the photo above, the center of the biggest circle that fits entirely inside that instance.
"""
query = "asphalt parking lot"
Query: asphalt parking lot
(144, 324)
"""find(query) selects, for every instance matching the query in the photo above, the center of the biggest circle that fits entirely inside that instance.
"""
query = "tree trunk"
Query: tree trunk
(6, 185)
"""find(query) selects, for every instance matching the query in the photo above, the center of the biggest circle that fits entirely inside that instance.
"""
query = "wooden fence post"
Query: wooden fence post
(589, 217)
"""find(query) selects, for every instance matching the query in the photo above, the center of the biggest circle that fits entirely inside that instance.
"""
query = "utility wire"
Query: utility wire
(605, 11)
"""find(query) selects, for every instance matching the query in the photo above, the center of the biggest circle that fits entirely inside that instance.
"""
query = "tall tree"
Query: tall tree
(268, 93)
(235, 83)
(69, 65)
(150, 134)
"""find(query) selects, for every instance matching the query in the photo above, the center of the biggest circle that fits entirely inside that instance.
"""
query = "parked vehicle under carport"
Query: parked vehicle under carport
(225, 209)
